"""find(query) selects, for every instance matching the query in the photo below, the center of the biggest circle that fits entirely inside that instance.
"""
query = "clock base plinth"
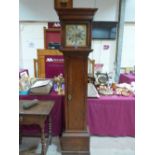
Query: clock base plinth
(73, 143)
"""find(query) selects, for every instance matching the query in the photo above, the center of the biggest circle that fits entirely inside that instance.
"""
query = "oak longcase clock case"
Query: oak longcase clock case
(75, 45)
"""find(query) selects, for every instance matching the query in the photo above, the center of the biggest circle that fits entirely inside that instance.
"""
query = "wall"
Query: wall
(104, 56)
(37, 10)
(107, 10)
(128, 46)
(44, 10)
(130, 11)
(31, 33)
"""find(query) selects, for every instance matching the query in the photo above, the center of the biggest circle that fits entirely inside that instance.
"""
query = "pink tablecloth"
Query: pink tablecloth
(111, 116)
(107, 116)
(126, 78)
(56, 115)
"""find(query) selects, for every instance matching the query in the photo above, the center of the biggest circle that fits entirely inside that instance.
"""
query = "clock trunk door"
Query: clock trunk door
(75, 101)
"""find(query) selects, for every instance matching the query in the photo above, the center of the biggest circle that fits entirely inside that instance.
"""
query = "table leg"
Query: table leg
(43, 143)
(50, 129)
(20, 134)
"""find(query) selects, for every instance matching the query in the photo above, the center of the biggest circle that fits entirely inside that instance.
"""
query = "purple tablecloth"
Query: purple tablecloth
(111, 116)
(126, 78)
(56, 115)
(106, 116)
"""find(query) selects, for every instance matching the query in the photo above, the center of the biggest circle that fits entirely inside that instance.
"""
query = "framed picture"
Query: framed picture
(23, 75)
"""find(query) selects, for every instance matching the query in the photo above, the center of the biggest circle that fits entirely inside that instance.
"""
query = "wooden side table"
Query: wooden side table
(37, 115)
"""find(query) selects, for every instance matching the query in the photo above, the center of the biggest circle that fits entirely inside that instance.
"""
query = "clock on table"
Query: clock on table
(75, 45)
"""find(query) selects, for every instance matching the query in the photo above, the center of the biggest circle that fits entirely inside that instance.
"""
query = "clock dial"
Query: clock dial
(76, 35)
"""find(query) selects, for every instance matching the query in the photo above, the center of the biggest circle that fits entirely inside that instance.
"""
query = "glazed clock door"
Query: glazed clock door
(76, 78)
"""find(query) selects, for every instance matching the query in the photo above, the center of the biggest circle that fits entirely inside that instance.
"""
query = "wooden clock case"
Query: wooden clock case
(63, 4)
(75, 137)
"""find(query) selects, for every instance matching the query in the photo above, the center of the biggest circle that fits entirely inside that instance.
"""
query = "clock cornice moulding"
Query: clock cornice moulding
(76, 13)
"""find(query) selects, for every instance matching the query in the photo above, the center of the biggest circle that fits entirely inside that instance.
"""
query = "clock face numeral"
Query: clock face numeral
(76, 35)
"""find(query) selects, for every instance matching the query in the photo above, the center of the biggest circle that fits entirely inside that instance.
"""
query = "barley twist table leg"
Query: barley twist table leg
(50, 129)
(43, 152)
(20, 134)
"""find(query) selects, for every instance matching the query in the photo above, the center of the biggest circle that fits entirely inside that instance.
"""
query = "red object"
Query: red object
(52, 36)
(98, 66)
(54, 65)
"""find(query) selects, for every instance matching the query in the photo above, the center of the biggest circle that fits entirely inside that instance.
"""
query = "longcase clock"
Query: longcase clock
(76, 45)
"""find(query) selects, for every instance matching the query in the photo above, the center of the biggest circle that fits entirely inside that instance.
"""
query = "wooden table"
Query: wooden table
(37, 115)
(56, 115)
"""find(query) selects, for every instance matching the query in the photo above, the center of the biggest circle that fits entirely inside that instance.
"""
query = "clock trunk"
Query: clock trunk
(76, 90)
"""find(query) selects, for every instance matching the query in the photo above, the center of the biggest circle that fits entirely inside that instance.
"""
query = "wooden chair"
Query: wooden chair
(35, 64)
(91, 64)
(39, 63)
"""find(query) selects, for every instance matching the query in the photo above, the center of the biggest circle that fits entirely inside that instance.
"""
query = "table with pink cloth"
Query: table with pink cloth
(56, 115)
(127, 78)
(106, 116)
(111, 116)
